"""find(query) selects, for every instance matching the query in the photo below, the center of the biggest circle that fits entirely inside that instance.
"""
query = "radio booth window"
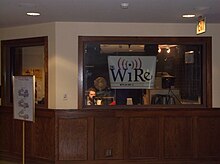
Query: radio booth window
(142, 73)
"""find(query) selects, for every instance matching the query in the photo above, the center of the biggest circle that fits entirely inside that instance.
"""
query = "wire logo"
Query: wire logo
(131, 71)
(132, 64)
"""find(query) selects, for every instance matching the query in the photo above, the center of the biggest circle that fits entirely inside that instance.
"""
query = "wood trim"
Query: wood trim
(80, 73)
(6, 45)
(209, 73)
(206, 63)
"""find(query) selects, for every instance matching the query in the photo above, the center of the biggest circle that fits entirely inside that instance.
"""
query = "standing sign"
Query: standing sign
(132, 72)
(24, 97)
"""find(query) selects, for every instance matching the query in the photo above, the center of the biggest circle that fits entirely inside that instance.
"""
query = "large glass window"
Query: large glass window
(118, 71)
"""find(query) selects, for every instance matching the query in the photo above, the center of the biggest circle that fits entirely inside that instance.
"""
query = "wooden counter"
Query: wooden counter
(114, 136)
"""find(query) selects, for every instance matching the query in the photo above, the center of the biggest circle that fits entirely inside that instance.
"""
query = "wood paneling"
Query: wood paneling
(178, 137)
(143, 137)
(208, 137)
(43, 138)
(114, 136)
(28, 139)
(6, 133)
(17, 136)
(73, 138)
(108, 138)
(39, 136)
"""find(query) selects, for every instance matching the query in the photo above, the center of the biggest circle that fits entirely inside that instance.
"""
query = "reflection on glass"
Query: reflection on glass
(33, 64)
(177, 76)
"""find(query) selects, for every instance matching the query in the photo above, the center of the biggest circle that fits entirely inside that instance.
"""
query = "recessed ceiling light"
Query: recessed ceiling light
(188, 15)
(33, 14)
(124, 5)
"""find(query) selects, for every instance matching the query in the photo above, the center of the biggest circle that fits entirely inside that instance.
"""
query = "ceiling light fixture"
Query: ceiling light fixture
(124, 5)
(33, 13)
(188, 15)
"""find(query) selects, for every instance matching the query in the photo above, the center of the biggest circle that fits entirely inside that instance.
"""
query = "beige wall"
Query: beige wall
(63, 51)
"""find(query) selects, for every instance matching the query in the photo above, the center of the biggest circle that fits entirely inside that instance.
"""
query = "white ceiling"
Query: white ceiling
(13, 12)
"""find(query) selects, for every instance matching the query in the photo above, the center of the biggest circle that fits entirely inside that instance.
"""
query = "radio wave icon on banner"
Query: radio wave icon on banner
(133, 64)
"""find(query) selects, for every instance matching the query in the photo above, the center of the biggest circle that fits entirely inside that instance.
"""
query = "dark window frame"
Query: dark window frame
(206, 43)
(6, 81)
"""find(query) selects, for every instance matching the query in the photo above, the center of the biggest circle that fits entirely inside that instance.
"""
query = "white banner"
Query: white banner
(24, 97)
(132, 72)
